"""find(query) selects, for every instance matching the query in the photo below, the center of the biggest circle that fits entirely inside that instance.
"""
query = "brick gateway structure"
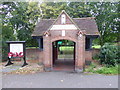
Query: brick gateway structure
(79, 30)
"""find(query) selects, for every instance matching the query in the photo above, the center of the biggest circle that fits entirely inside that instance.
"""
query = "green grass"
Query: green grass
(102, 70)
(67, 49)
(67, 52)
(106, 70)
(96, 46)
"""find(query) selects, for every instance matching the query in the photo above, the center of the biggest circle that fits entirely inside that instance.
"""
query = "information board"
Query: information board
(16, 49)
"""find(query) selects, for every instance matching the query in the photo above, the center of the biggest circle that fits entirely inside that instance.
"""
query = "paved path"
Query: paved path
(60, 80)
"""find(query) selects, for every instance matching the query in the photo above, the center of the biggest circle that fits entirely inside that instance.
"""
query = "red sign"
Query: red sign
(11, 54)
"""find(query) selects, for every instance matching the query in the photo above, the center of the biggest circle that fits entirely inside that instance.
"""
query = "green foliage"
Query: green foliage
(106, 14)
(106, 70)
(102, 70)
(95, 57)
(94, 68)
(18, 22)
(74, 9)
(67, 49)
(7, 35)
(96, 46)
(109, 55)
(91, 67)
(4, 53)
(20, 18)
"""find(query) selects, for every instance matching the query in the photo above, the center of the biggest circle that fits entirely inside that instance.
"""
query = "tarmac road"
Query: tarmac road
(59, 80)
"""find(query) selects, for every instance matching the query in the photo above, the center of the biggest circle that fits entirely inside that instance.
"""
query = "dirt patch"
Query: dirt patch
(28, 69)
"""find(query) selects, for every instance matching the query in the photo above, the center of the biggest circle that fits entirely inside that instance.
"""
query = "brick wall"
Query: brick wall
(34, 55)
(95, 51)
(90, 54)
(37, 55)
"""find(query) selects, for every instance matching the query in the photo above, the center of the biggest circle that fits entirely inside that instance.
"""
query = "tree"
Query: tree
(105, 13)
(74, 9)
(21, 17)
(18, 22)
(106, 18)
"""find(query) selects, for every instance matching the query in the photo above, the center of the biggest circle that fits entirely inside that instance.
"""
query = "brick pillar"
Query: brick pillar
(47, 53)
(80, 54)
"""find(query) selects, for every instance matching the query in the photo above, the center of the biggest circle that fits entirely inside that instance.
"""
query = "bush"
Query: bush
(4, 51)
(95, 57)
(109, 55)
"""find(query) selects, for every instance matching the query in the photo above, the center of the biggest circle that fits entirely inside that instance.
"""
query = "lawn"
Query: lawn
(66, 49)
(96, 46)
(66, 52)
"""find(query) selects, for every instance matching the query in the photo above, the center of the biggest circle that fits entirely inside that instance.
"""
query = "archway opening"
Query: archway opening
(63, 55)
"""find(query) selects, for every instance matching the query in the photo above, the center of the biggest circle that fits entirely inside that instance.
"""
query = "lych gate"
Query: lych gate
(80, 31)
(63, 55)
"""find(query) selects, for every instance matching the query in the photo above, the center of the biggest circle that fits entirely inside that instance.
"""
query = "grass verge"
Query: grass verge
(94, 68)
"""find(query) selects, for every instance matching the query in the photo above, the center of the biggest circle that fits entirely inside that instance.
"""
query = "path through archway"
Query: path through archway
(63, 55)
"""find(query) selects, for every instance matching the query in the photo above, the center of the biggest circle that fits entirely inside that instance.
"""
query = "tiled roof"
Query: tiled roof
(88, 24)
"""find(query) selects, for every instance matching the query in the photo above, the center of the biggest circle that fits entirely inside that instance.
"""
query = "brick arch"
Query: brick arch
(54, 50)
(65, 38)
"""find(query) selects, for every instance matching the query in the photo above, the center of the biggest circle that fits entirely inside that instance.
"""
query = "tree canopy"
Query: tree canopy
(20, 18)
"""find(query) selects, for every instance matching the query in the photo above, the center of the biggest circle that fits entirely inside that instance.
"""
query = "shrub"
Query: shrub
(4, 52)
(95, 57)
(109, 55)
